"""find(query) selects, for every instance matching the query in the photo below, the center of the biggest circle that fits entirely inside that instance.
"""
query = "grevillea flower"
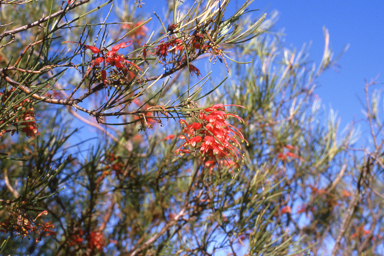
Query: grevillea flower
(25, 122)
(111, 57)
(96, 241)
(286, 209)
(169, 137)
(79, 237)
(174, 45)
(283, 156)
(213, 137)
(194, 70)
(360, 232)
(30, 127)
(139, 33)
(19, 224)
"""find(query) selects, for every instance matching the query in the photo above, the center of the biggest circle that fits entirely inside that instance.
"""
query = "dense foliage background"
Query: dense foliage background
(293, 185)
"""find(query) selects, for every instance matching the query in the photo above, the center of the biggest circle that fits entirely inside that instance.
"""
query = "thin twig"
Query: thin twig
(42, 20)
(8, 185)
(172, 222)
(351, 208)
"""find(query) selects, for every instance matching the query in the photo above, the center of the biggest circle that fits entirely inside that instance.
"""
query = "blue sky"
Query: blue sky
(357, 23)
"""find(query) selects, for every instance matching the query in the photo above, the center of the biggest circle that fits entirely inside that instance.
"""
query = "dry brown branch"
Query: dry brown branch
(338, 178)
(8, 185)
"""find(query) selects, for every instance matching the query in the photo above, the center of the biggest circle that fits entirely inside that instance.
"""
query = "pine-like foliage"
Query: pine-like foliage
(190, 158)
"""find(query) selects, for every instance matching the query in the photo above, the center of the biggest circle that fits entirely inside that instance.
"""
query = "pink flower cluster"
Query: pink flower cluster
(213, 137)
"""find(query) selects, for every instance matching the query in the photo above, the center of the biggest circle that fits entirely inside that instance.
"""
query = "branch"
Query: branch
(351, 208)
(42, 20)
(107, 215)
(338, 178)
(25, 89)
(162, 231)
(8, 185)
(97, 126)
(171, 222)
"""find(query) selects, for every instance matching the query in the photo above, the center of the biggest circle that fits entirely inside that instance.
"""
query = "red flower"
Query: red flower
(30, 128)
(173, 44)
(346, 193)
(283, 156)
(116, 60)
(26, 120)
(162, 49)
(194, 70)
(112, 58)
(76, 238)
(169, 137)
(96, 241)
(138, 33)
(46, 230)
(286, 209)
(121, 45)
(213, 137)
(93, 49)
(360, 232)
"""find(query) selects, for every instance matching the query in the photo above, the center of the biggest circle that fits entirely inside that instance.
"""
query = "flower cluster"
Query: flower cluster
(19, 224)
(95, 240)
(147, 120)
(112, 163)
(174, 50)
(360, 231)
(213, 137)
(288, 153)
(76, 239)
(321, 202)
(139, 33)
(25, 122)
(171, 46)
(286, 209)
(113, 59)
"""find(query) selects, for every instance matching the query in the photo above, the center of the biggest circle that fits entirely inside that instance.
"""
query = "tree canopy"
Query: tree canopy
(209, 137)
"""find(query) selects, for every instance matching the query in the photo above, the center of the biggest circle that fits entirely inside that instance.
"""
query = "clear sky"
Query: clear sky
(357, 23)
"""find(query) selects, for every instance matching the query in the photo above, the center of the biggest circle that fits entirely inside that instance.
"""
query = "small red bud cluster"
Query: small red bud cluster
(213, 137)
(112, 163)
(95, 240)
(288, 153)
(121, 65)
(139, 34)
(26, 122)
(19, 224)
(174, 50)
(147, 120)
